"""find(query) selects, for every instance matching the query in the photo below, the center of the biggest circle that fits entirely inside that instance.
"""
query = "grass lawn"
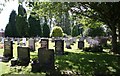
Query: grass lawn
(74, 63)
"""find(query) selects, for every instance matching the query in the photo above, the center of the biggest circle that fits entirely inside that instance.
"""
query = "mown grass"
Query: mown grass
(75, 63)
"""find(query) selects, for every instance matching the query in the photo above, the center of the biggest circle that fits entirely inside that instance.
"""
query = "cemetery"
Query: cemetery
(47, 40)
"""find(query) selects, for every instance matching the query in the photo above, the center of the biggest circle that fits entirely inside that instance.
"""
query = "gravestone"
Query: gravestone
(23, 55)
(44, 43)
(68, 44)
(80, 44)
(2, 41)
(103, 41)
(24, 41)
(71, 41)
(74, 39)
(31, 44)
(8, 51)
(59, 47)
(18, 41)
(46, 59)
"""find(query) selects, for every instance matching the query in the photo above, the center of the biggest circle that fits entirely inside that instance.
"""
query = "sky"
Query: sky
(4, 15)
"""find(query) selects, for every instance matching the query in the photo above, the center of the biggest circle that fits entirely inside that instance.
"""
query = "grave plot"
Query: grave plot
(8, 51)
(45, 60)
(23, 56)
(59, 47)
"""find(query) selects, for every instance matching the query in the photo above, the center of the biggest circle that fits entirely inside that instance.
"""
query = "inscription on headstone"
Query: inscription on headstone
(31, 44)
(59, 47)
(23, 56)
(80, 44)
(44, 43)
(8, 49)
(46, 59)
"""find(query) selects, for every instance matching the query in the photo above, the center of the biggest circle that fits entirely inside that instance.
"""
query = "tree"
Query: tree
(105, 12)
(34, 25)
(10, 29)
(46, 29)
(21, 22)
(75, 31)
(57, 32)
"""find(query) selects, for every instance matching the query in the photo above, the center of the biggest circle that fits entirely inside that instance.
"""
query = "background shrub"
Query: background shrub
(57, 32)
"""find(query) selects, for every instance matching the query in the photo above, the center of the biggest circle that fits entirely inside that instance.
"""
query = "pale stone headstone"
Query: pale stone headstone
(59, 47)
(31, 44)
(71, 41)
(24, 41)
(68, 44)
(2, 41)
(18, 41)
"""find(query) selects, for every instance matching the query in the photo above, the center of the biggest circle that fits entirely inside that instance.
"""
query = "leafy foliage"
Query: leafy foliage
(93, 32)
(57, 32)
(46, 29)
(34, 25)
(21, 22)
(10, 30)
(75, 31)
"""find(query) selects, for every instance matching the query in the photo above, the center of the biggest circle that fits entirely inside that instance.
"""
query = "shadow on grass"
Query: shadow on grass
(95, 64)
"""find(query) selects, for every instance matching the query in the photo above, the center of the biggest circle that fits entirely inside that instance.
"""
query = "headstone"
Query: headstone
(59, 47)
(46, 59)
(8, 50)
(18, 41)
(53, 39)
(31, 44)
(80, 44)
(24, 41)
(23, 56)
(2, 41)
(103, 41)
(74, 39)
(71, 41)
(44, 43)
(68, 44)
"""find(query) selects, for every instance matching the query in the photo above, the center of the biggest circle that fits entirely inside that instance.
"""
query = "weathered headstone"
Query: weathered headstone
(23, 56)
(8, 50)
(24, 41)
(31, 44)
(44, 43)
(103, 41)
(68, 44)
(18, 41)
(80, 44)
(2, 41)
(71, 41)
(46, 59)
(59, 47)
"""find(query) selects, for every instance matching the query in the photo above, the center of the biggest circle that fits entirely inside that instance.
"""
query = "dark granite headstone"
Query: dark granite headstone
(23, 56)
(59, 47)
(46, 59)
(8, 49)
(80, 44)
(44, 43)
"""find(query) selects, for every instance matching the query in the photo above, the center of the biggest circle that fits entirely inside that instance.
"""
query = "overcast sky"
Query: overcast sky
(4, 16)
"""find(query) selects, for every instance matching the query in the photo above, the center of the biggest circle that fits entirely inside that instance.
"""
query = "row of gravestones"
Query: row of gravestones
(45, 55)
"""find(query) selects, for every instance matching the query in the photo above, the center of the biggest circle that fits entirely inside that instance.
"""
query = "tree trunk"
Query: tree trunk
(114, 40)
